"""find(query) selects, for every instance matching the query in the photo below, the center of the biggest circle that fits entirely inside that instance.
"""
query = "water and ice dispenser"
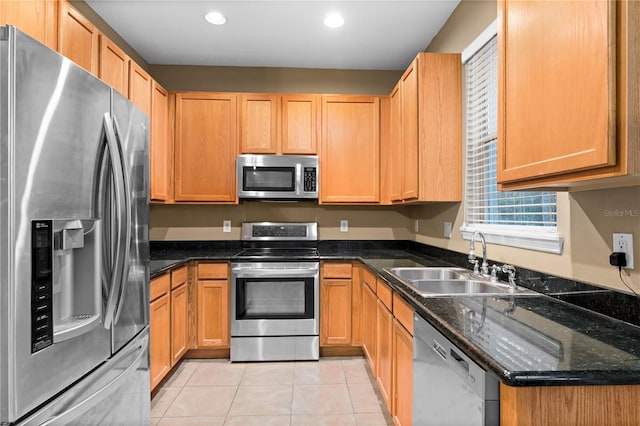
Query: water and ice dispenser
(66, 289)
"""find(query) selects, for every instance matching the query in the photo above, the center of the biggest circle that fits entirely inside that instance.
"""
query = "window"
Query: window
(522, 219)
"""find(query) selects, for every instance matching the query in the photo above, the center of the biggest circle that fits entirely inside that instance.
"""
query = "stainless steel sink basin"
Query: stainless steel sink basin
(437, 281)
(427, 273)
(457, 287)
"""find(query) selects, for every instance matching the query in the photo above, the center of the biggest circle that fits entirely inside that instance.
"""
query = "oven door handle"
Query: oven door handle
(262, 272)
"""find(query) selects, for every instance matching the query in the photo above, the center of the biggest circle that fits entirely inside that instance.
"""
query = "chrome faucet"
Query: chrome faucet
(472, 254)
(511, 271)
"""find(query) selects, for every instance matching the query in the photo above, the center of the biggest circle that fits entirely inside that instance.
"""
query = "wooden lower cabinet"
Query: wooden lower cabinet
(213, 306)
(384, 351)
(335, 304)
(369, 313)
(160, 329)
(179, 321)
(402, 381)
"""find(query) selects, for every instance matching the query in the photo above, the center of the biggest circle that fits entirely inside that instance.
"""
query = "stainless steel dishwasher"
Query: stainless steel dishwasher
(448, 387)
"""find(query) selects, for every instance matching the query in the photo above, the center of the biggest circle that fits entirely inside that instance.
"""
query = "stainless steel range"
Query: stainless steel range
(275, 293)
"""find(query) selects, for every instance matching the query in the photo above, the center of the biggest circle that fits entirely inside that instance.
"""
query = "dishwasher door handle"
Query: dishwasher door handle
(439, 349)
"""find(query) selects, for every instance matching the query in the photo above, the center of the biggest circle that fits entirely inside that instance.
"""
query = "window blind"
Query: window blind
(485, 205)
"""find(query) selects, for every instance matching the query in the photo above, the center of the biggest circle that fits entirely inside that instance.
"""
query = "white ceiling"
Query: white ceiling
(377, 35)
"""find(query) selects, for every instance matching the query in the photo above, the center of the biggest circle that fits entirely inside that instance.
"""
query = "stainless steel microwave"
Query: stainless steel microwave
(277, 177)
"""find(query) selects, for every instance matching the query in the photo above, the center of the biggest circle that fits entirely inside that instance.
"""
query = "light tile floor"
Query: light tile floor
(332, 391)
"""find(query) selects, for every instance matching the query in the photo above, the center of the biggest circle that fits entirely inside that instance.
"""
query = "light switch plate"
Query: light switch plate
(416, 226)
(226, 226)
(624, 243)
(344, 226)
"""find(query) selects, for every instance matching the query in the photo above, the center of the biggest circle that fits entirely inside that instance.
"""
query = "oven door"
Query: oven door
(275, 299)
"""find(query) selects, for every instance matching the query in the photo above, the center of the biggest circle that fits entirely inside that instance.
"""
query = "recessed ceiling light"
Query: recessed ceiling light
(215, 18)
(334, 20)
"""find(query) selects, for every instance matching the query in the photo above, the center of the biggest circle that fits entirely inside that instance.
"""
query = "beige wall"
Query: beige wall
(204, 222)
(586, 219)
(276, 80)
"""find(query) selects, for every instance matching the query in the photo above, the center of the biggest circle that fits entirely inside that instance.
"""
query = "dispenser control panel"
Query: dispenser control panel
(41, 284)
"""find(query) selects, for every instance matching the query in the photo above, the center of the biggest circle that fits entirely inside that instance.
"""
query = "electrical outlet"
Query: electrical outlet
(624, 243)
(416, 225)
(344, 226)
(447, 229)
(226, 226)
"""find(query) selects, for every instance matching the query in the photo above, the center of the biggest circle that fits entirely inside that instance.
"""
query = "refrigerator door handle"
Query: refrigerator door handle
(115, 156)
(127, 221)
(94, 399)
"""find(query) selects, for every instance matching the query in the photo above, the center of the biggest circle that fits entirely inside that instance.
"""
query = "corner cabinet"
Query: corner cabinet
(206, 146)
(567, 93)
(350, 150)
(424, 152)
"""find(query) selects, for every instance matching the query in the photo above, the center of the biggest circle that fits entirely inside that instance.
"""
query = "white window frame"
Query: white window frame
(544, 239)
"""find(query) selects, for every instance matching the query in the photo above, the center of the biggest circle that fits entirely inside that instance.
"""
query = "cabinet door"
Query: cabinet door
(160, 147)
(384, 353)
(409, 99)
(402, 375)
(160, 338)
(78, 38)
(335, 312)
(350, 150)
(556, 87)
(38, 18)
(299, 124)
(178, 323)
(139, 87)
(369, 312)
(395, 145)
(258, 124)
(114, 65)
(205, 147)
(213, 314)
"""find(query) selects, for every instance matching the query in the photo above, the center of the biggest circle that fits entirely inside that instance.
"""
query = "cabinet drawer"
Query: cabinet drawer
(336, 270)
(213, 271)
(159, 286)
(369, 279)
(403, 312)
(384, 293)
(179, 276)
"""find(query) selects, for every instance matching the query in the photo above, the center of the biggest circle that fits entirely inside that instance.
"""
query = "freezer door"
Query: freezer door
(115, 394)
(51, 133)
(132, 132)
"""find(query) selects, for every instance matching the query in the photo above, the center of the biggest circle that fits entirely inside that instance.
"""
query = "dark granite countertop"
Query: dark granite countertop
(526, 340)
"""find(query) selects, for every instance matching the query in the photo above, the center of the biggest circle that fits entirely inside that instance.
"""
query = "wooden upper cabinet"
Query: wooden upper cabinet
(409, 120)
(114, 65)
(258, 123)
(299, 124)
(206, 147)
(425, 137)
(567, 92)
(78, 38)
(140, 87)
(395, 151)
(160, 145)
(278, 124)
(350, 149)
(38, 18)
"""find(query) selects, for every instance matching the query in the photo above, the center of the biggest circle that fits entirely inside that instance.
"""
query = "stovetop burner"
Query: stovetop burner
(270, 241)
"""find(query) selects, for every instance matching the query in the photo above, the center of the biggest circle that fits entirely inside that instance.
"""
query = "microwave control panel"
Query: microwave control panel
(41, 284)
(310, 179)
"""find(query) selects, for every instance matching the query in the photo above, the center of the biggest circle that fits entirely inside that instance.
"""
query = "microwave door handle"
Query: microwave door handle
(299, 179)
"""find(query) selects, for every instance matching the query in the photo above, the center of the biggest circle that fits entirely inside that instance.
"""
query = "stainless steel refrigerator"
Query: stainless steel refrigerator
(74, 248)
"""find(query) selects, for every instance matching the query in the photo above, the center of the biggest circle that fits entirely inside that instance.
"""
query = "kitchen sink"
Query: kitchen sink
(427, 273)
(438, 281)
